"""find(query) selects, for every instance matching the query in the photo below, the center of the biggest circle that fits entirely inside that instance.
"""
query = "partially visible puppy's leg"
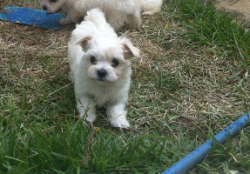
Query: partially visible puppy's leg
(85, 106)
(149, 13)
(65, 21)
(117, 115)
(135, 19)
(150, 7)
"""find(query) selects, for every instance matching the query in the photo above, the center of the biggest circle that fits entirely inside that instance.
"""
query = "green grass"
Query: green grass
(208, 26)
(234, 154)
(77, 148)
(190, 82)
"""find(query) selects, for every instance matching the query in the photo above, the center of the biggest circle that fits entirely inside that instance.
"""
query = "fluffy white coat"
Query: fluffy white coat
(94, 47)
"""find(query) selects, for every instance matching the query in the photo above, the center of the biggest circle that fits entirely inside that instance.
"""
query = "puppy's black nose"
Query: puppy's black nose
(101, 73)
(45, 7)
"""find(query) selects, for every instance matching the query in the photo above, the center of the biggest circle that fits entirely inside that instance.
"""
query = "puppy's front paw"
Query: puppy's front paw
(64, 21)
(121, 123)
(90, 118)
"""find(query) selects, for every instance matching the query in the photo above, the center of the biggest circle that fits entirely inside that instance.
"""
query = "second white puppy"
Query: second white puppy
(118, 12)
(100, 68)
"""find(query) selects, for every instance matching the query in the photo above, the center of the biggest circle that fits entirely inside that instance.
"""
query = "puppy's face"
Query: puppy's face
(105, 66)
(51, 6)
(107, 63)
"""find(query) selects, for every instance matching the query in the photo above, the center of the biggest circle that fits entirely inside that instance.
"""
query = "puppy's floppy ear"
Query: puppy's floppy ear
(84, 43)
(129, 50)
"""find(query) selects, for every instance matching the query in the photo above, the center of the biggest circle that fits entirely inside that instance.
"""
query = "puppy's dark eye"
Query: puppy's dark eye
(53, 0)
(93, 60)
(114, 63)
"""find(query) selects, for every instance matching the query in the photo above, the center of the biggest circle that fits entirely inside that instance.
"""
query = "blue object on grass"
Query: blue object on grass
(31, 16)
(190, 160)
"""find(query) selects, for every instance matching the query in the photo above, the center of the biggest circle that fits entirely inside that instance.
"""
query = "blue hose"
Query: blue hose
(190, 160)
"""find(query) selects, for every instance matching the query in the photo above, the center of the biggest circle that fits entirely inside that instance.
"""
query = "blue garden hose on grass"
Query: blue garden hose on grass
(190, 160)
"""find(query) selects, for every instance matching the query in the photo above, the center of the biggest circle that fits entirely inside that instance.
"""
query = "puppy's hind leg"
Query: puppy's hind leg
(149, 13)
(135, 20)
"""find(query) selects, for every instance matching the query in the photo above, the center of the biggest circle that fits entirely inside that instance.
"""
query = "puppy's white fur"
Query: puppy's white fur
(95, 47)
(118, 12)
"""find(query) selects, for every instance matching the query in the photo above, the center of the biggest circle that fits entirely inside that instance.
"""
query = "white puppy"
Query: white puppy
(100, 68)
(118, 12)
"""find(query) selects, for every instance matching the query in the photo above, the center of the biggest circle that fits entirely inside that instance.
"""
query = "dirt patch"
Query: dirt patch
(239, 9)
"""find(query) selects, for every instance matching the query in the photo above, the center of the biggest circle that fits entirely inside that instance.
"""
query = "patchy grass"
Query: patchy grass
(183, 88)
(233, 156)
(212, 27)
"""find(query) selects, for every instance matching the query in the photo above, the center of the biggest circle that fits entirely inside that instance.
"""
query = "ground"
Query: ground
(240, 9)
(182, 92)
